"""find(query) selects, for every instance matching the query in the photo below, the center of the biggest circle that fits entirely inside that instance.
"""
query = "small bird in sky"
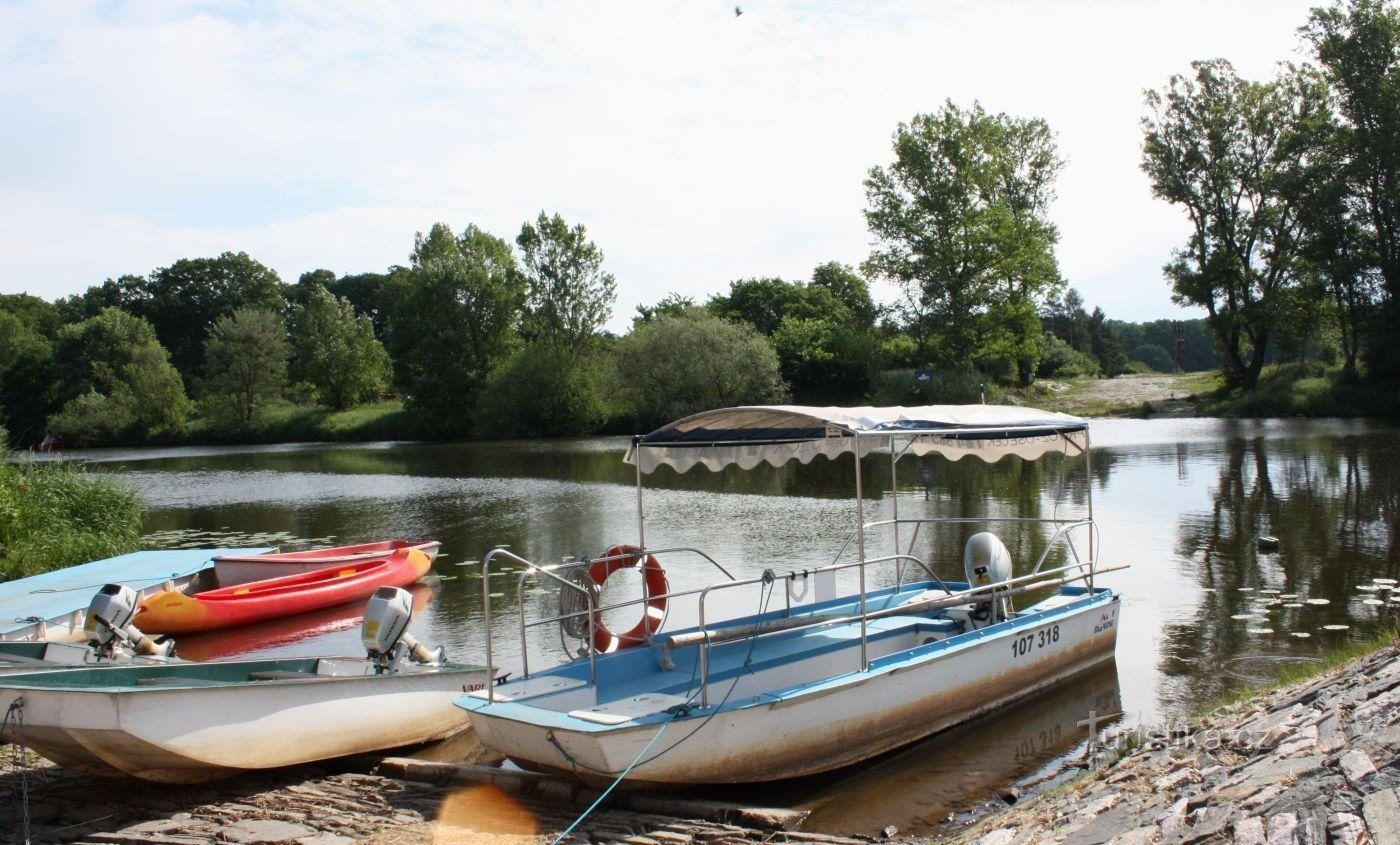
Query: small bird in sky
(738, 11)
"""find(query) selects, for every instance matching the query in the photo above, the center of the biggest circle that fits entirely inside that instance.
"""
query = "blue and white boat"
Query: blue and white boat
(824, 682)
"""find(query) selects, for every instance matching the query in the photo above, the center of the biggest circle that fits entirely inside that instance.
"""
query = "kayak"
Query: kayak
(232, 570)
(173, 612)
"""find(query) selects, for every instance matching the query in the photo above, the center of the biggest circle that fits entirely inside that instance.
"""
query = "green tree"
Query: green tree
(113, 379)
(678, 364)
(1358, 45)
(1234, 154)
(129, 293)
(962, 228)
(452, 319)
(850, 289)
(185, 299)
(245, 357)
(765, 302)
(334, 349)
(568, 295)
(672, 304)
(541, 391)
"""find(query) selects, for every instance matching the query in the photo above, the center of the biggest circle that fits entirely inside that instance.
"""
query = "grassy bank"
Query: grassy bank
(288, 423)
(1302, 390)
(54, 514)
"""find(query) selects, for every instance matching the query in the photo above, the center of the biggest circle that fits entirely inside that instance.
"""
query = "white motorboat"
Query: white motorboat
(185, 722)
(818, 685)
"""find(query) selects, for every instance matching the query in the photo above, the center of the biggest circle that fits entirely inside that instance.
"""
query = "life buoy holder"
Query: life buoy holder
(655, 586)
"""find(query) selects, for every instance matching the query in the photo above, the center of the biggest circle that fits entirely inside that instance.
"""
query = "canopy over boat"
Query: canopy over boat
(776, 434)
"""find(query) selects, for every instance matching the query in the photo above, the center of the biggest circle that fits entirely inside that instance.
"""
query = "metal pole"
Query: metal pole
(486, 617)
(641, 520)
(894, 511)
(1089, 497)
(860, 549)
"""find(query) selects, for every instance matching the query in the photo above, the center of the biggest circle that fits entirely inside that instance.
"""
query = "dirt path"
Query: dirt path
(1166, 392)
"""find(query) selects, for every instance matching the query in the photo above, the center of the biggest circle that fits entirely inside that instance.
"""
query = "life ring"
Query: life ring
(654, 579)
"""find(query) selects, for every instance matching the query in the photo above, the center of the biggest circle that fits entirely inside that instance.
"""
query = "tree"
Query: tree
(1358, 46)
(672, 304)
(113, 379)
(452, 319)
(1233, 154)
(850, 289)
(678, 364)
(568, 295)
(185, 299)
(246, 361)
(962, 227)
(335, 350)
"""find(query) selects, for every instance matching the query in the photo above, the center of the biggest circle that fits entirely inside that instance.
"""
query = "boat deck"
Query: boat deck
(54, 603)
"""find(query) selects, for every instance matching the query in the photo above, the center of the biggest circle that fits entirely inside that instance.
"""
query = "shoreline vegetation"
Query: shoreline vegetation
(1291, 390)
(56, 514)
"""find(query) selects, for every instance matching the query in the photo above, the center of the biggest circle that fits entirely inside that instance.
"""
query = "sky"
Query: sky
(696, 146)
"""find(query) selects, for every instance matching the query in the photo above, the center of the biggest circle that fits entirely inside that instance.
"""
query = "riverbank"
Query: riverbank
(1315, 762)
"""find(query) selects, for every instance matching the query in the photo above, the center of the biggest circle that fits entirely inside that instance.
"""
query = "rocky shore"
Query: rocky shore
(1317, 762)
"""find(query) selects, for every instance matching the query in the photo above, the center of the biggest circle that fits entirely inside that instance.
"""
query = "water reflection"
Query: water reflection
(1182, 501)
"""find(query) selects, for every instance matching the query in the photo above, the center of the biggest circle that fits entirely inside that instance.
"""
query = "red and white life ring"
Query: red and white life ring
(656, 588)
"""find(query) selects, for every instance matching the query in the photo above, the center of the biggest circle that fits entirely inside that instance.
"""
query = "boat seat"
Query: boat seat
(284, 675)
(524, 688)
(169, 681)
(627, 709)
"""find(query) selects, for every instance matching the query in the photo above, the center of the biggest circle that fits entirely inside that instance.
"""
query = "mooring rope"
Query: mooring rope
(14, 716)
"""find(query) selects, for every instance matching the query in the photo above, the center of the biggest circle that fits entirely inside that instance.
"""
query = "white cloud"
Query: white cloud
(698, 148)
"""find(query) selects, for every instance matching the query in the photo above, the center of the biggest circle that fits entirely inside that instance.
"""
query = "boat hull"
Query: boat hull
(177, 613)
(790, 733)
(97, 720)
(232, 570)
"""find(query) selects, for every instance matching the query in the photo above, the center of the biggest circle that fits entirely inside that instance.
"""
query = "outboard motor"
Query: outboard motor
(385, 636)
(988, 563)
(108, 625)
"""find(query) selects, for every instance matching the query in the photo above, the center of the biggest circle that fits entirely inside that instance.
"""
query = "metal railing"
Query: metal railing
(704, 637)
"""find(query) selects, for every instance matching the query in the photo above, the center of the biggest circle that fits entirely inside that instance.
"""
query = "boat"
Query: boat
(174, 612)
(110, 638)
(192, 722)
(825, 680)
(284, 635)
(234, 569)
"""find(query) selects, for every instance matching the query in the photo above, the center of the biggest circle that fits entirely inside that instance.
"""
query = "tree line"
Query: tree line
(1289, 186)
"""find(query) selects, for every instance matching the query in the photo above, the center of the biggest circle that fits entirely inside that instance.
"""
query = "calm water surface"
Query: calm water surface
(1182, 501)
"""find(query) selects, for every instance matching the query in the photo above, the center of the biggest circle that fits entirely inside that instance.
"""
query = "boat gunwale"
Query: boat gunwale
(525, 710)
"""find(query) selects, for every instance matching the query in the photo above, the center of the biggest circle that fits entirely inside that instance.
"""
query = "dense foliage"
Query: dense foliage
(55, 514)
(1289, 184)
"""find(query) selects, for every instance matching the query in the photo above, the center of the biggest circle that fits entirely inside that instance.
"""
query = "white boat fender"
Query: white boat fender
(987, 562)
(108, 625)
(384, 632)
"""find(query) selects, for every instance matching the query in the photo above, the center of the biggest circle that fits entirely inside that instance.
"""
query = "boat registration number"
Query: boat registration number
(1035, 640)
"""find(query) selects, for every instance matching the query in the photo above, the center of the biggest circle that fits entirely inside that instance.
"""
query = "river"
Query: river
(1183, 501)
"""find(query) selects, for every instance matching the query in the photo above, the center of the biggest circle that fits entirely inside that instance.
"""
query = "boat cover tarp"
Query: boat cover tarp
(776, 434)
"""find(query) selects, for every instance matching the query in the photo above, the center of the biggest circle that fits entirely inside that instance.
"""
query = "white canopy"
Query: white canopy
(777, 434)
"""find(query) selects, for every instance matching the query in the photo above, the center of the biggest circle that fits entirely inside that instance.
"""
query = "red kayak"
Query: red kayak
(241, 569)
(173, 612)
